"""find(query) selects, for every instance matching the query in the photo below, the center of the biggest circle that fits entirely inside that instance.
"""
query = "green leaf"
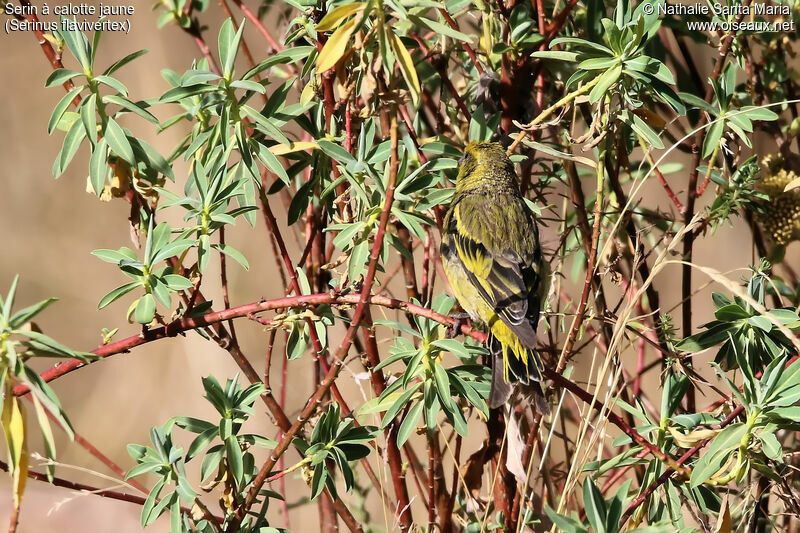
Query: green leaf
(60, 76)
(229, 46)
(269, 160)
(171, 249)
(98, 166)
(233, 253)
(791, 413)
(61, 107)
(118, 141)
(758, 113)
(399, 404)
(731, 313)
(595, 505)
(233, 452)
(24, 315)
(599, 63)
(581, 42)
(443, 387)
(785, 316)
(266, 124)
(409, 423)
(453, 346)
(78, 45)
(179, 93)
(699, 103)
(124, 61)
(115, 256)
(72, 141)
(145, 309)
(177, 283)
(300, 201)
(642, 128)
(770, 446)
(607, 79)
(556, 54)
(760, 322)
(440, 28)
(130, 106)
(335, 152)
(117, 293)
(318, 480)
(289, 55)
(247, 85)
(113, 83)
(147, 154)
(357, 261)
(378, 404)
(564, 523)
(717, 454)
(713, 137)
(143, 468)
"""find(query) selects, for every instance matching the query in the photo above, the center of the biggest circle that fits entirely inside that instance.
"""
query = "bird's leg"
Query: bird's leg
(459, 319)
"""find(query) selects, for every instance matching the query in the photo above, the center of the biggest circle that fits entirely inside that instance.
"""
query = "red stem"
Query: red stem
(338, 360)
(112, 494)
(669, 471)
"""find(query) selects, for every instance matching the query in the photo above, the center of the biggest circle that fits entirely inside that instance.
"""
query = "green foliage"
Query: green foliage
(602, 515)
(226, 458)
(426, 387)
(769, 405)
(621, 63)
(20, 341)
(737, 195)
(739, 121)
(157, 281)
(749, 338)
(95, 122)
(335, 441)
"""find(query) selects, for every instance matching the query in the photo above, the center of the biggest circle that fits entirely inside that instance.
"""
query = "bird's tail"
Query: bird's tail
(515, 366)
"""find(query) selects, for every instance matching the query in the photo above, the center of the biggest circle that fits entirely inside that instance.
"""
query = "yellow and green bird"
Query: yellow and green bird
(491, 255)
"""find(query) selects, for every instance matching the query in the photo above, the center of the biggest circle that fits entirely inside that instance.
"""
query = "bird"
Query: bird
(492, 258)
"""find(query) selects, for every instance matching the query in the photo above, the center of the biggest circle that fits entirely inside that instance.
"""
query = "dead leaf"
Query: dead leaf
(473, 470)
(516, 449)
(724, 517)
(652, 119)
(689, 440)
(336, 46)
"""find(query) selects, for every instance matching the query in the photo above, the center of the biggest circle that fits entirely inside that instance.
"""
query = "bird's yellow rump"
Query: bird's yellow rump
(491, 255)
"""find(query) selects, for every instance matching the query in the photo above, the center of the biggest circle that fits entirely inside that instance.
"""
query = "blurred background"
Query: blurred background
(49, 227)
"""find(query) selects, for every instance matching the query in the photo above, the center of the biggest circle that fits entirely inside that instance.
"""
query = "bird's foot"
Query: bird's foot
(459, 319)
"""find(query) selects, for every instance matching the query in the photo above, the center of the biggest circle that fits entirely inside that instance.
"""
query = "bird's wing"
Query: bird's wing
(506, 279)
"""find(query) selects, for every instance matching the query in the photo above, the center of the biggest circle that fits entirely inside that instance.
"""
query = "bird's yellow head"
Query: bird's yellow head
(485, 164)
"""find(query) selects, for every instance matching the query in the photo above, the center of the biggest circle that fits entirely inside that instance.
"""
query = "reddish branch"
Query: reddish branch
(338, 360)
(669, 471)
(267, 35)
(615, 419)
(272, 226)
(190, 323)
(453, 24)
(103, 493)
(52, 57)
(319, 299)
(668, 189)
